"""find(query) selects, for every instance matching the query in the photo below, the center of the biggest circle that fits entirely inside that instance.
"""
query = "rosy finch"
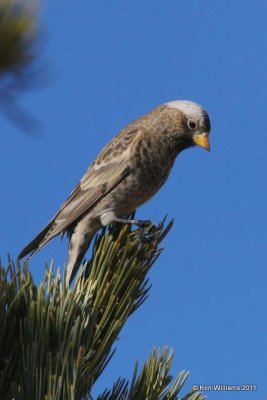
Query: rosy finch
(127, 173)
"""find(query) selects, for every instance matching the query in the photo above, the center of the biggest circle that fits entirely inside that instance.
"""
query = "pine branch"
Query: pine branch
(61, 339)
(9, 287)
(153, 382)
(18, 53)
(18, 27)
(154, 379)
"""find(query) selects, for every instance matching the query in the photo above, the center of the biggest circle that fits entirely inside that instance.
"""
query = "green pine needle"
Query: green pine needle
(55, 341)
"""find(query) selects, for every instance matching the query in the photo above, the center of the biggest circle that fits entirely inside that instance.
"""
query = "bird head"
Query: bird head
(192, 123)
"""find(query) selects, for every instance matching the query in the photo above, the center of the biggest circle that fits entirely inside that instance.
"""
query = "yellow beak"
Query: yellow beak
(202, 140)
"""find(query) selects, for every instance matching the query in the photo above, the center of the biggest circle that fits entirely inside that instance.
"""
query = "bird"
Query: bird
(127, 173)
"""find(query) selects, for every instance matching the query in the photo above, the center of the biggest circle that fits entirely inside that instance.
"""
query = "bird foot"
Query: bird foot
(147, 228)
(147, 231)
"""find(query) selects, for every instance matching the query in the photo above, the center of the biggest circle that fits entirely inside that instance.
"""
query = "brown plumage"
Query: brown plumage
(127, 173)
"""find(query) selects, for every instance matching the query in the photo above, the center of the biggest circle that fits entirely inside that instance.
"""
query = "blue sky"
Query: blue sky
(108, 63)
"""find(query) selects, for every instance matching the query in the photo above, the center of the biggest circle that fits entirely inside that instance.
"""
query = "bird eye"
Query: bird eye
(192, 124)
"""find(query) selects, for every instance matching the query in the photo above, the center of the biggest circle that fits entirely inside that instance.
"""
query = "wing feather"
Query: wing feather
(110, 168)
(83, 200)
(107, 171)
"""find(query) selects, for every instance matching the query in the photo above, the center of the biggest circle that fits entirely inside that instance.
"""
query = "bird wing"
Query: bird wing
(110, 168)
(107, 171)
(87, 193)
(84, 196)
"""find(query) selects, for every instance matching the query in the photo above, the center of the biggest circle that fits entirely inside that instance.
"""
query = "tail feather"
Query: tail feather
(73, 266)
(80, 240)
(38, 242)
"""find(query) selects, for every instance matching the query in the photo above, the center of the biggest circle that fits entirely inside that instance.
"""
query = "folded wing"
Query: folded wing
(101, 178)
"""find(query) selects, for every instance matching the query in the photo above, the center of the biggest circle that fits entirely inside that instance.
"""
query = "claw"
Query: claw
(147, 231)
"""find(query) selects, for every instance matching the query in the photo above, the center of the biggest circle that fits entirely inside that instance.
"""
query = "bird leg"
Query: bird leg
(109, 217)
(140, 223)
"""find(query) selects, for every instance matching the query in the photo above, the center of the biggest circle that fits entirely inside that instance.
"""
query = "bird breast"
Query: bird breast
(150, 167)
(152, 161)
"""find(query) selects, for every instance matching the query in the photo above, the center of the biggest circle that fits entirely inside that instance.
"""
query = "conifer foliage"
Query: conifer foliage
(55, 341)
(19, 35)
